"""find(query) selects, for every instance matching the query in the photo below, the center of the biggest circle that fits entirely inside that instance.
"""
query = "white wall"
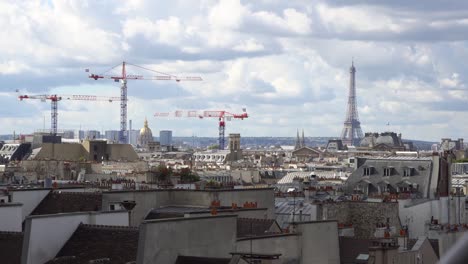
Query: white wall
(29, 198)
(425, 254)
(446, 240)
(161, 241)
(11, 217)
(56, 229)
(417, 216)
(320, 242)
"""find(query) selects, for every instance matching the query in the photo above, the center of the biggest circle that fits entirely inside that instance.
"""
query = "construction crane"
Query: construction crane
(54, 99)
(222, 116)
(122, 77)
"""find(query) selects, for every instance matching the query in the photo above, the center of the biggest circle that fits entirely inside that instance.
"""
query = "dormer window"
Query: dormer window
(368, 171)
(407, 172)
(388, 171)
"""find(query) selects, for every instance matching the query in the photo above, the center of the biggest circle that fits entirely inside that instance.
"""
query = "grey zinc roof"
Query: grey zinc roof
(422, 172)
(288, 178)
(284, 209)
(401, 158)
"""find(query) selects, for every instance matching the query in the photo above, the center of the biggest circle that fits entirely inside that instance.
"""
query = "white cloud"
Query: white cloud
(227, 14)
(13, 67)
(359, 18)
(249, 45)
(167, 31)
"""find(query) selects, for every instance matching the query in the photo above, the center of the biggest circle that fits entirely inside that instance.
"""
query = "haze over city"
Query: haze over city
(287, 62)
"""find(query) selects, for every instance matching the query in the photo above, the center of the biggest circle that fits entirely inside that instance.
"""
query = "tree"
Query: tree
(186, 175)
(163, 173)
(214, 146)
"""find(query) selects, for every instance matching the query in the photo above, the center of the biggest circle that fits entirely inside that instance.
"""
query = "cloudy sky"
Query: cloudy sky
(287, 62)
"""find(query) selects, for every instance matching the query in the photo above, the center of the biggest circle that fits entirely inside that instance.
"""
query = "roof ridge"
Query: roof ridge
(256, 219)
(114, 227)
(11, 233)
(78, 193)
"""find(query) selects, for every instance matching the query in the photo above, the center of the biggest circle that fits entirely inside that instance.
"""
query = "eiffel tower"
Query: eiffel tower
(352, 133)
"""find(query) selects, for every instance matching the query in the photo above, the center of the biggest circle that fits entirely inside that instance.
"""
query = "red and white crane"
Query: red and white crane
(54, 99)
(222, 116)
(123, 77)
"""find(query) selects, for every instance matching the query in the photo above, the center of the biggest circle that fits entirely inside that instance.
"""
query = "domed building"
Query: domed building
(369, 140)
(146, 136)
(386, 141)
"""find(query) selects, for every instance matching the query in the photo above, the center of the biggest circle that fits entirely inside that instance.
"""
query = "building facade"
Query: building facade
(146, 136)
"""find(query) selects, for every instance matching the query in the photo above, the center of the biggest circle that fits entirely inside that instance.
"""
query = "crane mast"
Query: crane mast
(222, 116)
(54, 99)
(123, 77)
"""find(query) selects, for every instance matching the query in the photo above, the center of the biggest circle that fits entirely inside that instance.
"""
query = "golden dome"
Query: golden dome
(146, 130)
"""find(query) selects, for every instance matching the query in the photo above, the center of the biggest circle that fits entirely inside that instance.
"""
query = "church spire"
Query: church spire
(298, 141)
(303, 139)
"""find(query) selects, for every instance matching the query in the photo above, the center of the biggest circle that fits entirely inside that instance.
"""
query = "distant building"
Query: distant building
(306, 154)
(11, 152)
(68, 134)
(112, 135)
(234, 147)
(92, 134)
(165, 138)
(221, 156)
(88, 150)
(146, 136)
(386, 141)
(79, 134)
(334, 145)
(425, 177)
(133, 136)
(300, 142)
(449, 144)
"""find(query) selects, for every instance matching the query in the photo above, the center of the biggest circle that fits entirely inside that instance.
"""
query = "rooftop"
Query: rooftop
(249, 227)
(400, 158)
(11, 245)
(92, 242)
(201, 260)
(65, 202)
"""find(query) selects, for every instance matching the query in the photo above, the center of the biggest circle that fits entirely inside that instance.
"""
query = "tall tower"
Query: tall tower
(298, 141)
(352, 132)
(303, 139)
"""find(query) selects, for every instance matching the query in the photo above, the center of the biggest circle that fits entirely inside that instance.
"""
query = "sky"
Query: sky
(286, 62)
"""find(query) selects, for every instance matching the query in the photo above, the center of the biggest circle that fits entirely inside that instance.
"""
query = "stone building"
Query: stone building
(222, 156)
(146, 136)
(449, 144)
(423, 177)
(386, 141)
(300, 142)
(335, 145)
(306, 154)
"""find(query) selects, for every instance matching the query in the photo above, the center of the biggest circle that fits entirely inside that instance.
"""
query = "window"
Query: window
(387, 171)
(407, 172)
(112, 207)
(368, 171)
